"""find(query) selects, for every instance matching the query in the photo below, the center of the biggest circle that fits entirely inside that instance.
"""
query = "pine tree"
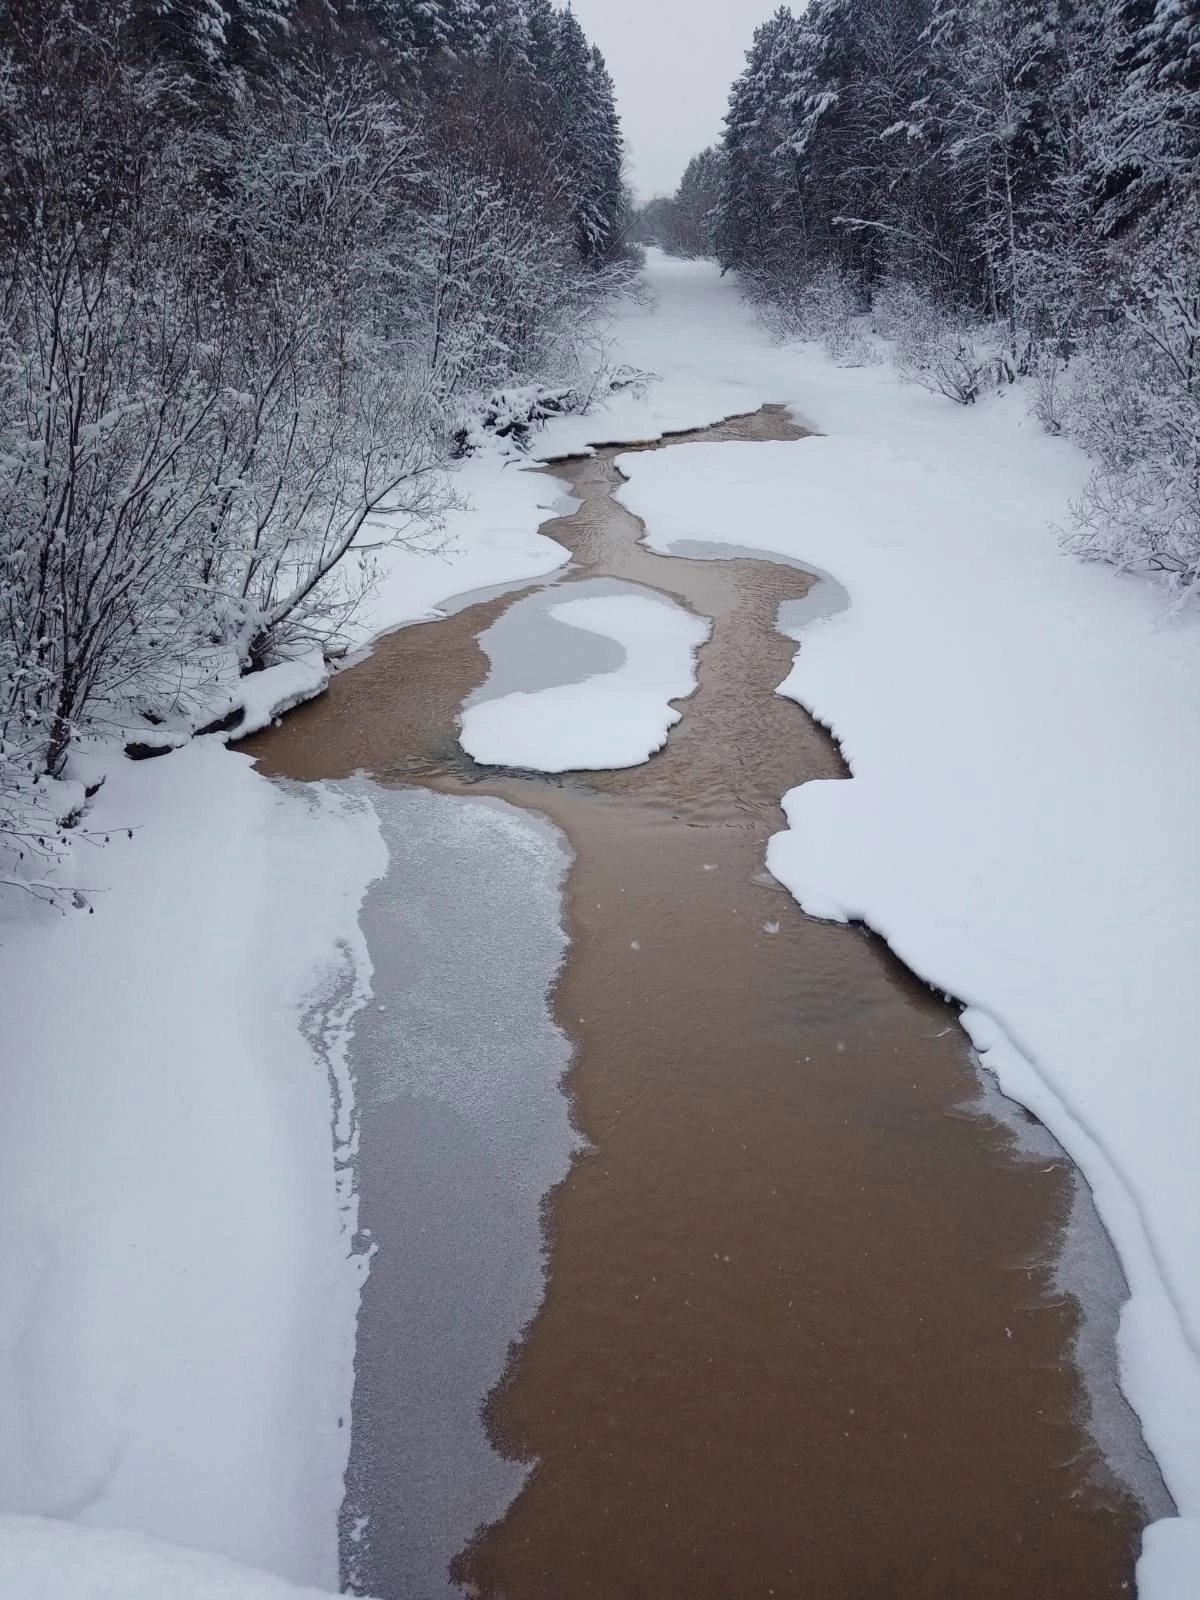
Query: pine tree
(755, 224)
(1147, 138)
(1169, 44)
(501, 35)
(215, 39)
(997, 65)
(541, 24)
(606, 190)
(256, 28)
(194, 33)
(419, 31)
(588, 137)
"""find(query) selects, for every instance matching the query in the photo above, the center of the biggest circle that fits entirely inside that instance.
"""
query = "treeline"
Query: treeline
(258, 260)
(1008, 188)
(684, 223)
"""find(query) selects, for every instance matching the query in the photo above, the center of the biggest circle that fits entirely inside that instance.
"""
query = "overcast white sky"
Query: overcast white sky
(672, 62)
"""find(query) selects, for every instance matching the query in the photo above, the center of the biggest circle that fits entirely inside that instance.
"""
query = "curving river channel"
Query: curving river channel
(806, 1326)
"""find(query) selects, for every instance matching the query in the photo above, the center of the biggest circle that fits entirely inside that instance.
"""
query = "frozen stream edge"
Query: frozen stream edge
(464, 1130)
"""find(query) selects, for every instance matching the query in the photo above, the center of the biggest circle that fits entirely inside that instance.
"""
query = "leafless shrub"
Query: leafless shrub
(1051, 390)
(826, 309)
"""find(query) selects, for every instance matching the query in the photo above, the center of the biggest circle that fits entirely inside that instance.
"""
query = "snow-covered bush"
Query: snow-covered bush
(1136, 410)
(105, 399)
(952, 363)
(909, 319)
(327, 415)
(514, 413)
(827, 309)
(932, 347)
(33, 838)
(956, 367)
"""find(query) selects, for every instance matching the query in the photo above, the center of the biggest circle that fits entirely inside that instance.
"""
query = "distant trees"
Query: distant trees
(1009, 187)
(685, 223)
(583, 125)
(257, 258)
(696, 201)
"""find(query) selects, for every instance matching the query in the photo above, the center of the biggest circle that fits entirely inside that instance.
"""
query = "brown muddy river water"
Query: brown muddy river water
(803, 1333)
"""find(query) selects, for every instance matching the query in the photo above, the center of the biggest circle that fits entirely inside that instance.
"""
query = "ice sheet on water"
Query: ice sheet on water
(465, 1128)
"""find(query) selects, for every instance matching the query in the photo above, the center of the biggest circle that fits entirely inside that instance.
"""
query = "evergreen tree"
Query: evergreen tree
(694, 207)
(419, 31)
(587, 132)
(194, 33)
(255, 31)
(605, 155)
(754, 225)
(1146, 136)
(501, 35)
(541, 23)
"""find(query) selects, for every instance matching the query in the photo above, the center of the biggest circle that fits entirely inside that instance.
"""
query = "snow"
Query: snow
(45, 1560)
(222, 704)
(701, 344)
(490, 539)
(1019, 826)
(612, 719)
(1170, 1560)
(265, 695)
(177, 1293)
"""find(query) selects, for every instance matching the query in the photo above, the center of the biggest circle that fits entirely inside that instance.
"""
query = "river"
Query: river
(806, 1326)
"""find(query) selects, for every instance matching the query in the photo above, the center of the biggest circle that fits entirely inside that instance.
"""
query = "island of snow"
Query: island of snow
(616, 718)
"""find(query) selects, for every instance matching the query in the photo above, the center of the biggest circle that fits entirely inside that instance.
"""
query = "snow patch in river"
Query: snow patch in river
(617, 714)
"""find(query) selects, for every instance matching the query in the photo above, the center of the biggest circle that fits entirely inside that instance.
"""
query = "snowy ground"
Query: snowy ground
(490, 541)
(176, 1298)
(42, 1559)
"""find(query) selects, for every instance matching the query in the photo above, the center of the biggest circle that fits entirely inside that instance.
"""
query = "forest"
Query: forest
(1000, 189)
(264, 265)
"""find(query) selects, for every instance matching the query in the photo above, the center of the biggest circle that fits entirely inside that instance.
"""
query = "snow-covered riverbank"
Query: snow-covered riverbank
(177, 1291)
